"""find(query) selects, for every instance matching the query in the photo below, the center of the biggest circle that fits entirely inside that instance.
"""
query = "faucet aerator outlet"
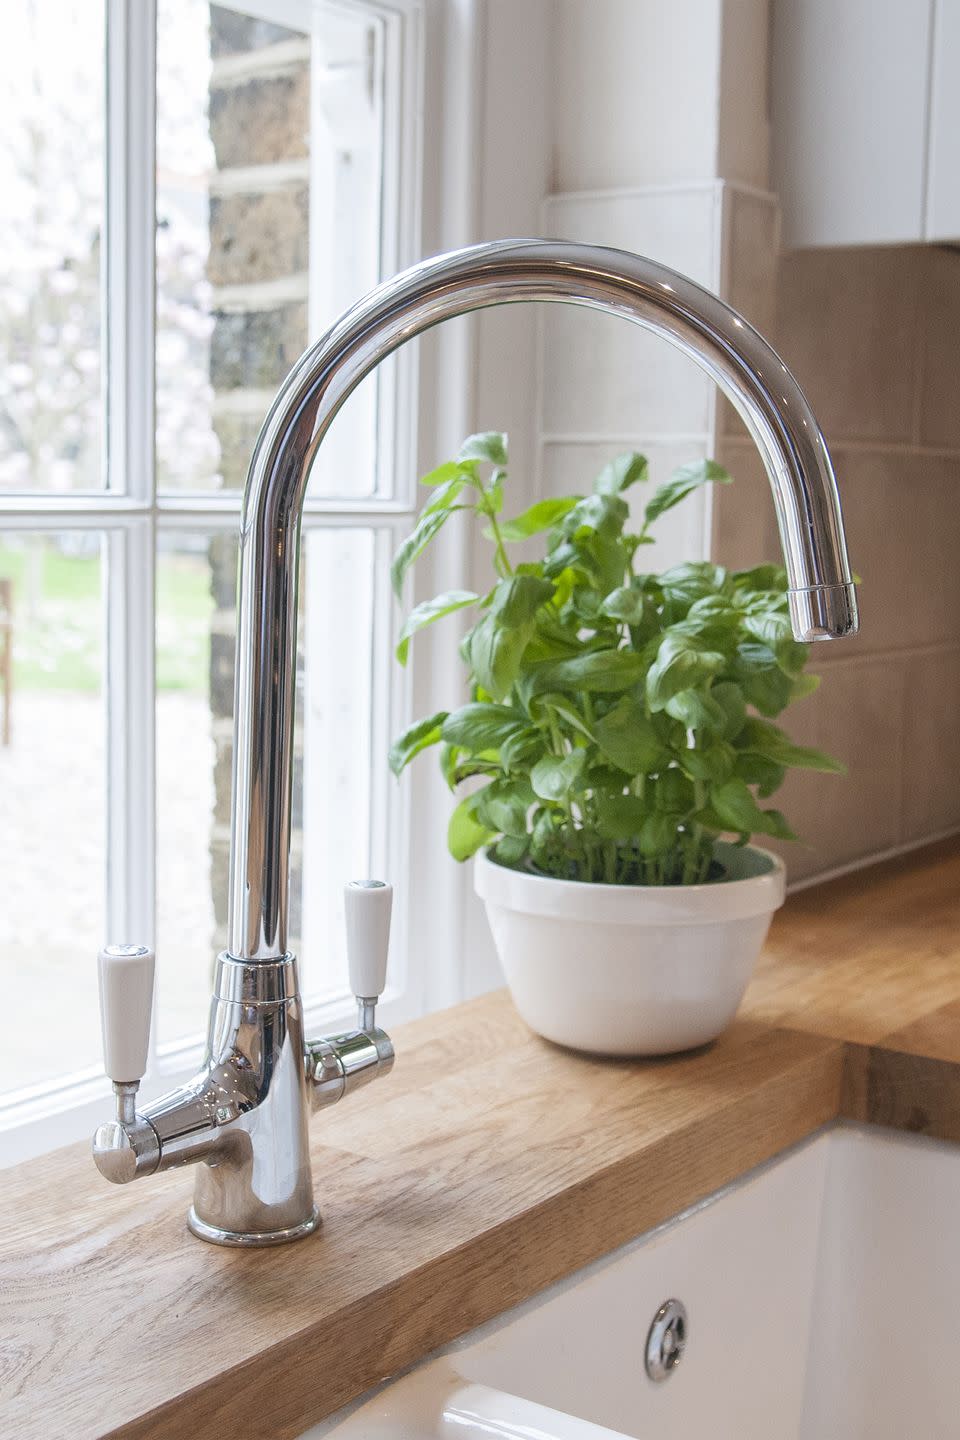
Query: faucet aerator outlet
(243, 1119)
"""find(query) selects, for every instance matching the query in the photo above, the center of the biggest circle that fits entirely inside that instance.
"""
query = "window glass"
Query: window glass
(52, 784)
(196, 625)
(337, 596)
(194, 677)
(268, 224)
(272, 201)
(51, 212)
(196, 640)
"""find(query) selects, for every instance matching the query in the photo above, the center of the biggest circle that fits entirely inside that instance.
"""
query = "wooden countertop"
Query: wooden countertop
(489, 1165)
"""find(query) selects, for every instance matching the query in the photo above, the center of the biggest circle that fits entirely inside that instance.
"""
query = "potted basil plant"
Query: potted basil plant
(614, 756)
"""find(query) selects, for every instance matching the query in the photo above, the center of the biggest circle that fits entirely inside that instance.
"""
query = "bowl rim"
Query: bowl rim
(710, 902)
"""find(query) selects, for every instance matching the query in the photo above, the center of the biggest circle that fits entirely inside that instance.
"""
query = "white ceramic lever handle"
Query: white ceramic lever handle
(126, 1002)
(368, 904)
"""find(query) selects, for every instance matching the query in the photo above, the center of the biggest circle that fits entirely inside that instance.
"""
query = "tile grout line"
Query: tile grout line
(919, 354)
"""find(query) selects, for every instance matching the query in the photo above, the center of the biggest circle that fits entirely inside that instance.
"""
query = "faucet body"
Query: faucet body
(245, 1115)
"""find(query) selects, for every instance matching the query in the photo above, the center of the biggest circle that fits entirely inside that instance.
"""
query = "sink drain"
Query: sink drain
(666, 1339)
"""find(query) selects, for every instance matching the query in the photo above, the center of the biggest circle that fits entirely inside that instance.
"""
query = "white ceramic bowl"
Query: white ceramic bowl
(631, 969)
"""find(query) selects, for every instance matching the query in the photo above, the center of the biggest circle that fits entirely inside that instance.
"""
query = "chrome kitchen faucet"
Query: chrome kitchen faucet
(244, 1116)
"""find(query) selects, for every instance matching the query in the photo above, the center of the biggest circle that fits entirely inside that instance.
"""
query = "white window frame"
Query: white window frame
(130, 516)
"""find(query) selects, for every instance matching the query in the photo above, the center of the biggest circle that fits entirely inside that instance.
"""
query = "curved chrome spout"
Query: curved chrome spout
(822, 599)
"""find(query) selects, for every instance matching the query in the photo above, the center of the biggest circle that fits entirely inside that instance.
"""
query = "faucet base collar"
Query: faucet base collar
(247, 1238)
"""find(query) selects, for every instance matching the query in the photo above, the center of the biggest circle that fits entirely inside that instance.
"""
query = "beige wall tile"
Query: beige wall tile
(602, 375)
(939, 409)
(744, 519)
(902, 516)
(932, 745)
(856, 715)
(743, 146)
(846, 326)
(616, 65)
(752, 233)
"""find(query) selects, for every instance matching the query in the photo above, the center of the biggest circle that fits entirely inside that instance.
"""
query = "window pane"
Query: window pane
(189, 568)
(268, 215)
(51, 211)
(196, 632)
(52, 836)
(196, 638)
(339, 767)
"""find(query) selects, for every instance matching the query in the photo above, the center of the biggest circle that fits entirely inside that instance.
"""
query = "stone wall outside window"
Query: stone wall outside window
(259, 118)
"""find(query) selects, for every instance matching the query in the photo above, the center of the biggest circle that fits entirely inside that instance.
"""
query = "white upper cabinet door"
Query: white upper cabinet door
(849, 101)
(943, 176)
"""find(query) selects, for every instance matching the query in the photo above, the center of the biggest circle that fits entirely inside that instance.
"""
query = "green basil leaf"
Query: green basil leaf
(544, 515)
(495, 653)
(563, 707)
(680, 664)
(775, 632)
(619, 817)
(621, 473)
(415, 544)
(604, 515)
(521, 749)
(773, 743)
(804, 685)
(449, 757)
(716, 763)
(518, 599)
(491, 500)
(601, 671)
(683, 585)
(450, 470)
(481, 726)
(502, 806)
(429, 611)
(627, 736)
(729, 697)
(446, 495)
(697, 710)
(496, 645)
(777, 825)
(658, 834)
(415, 738)
(765, 686)
(554, 777)
(674, 793)
(758, 770)
(511, 850)
(734, 804)
(626, 603)
(761, 577)
(488, 445)
(465, 833)
(682, 483)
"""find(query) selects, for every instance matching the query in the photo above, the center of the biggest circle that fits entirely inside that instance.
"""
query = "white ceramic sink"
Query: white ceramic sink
(823, 1303)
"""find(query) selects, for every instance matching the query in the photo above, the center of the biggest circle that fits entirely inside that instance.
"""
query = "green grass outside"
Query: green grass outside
(59, 618)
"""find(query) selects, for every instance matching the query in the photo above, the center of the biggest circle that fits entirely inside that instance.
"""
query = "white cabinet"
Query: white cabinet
(865, 114)
(943, 172)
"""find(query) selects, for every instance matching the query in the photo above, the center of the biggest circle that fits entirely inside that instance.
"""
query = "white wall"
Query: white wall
(487, 170)
(635, 92)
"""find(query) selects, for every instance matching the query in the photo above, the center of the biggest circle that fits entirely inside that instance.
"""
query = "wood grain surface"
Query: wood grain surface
(488, 1165)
